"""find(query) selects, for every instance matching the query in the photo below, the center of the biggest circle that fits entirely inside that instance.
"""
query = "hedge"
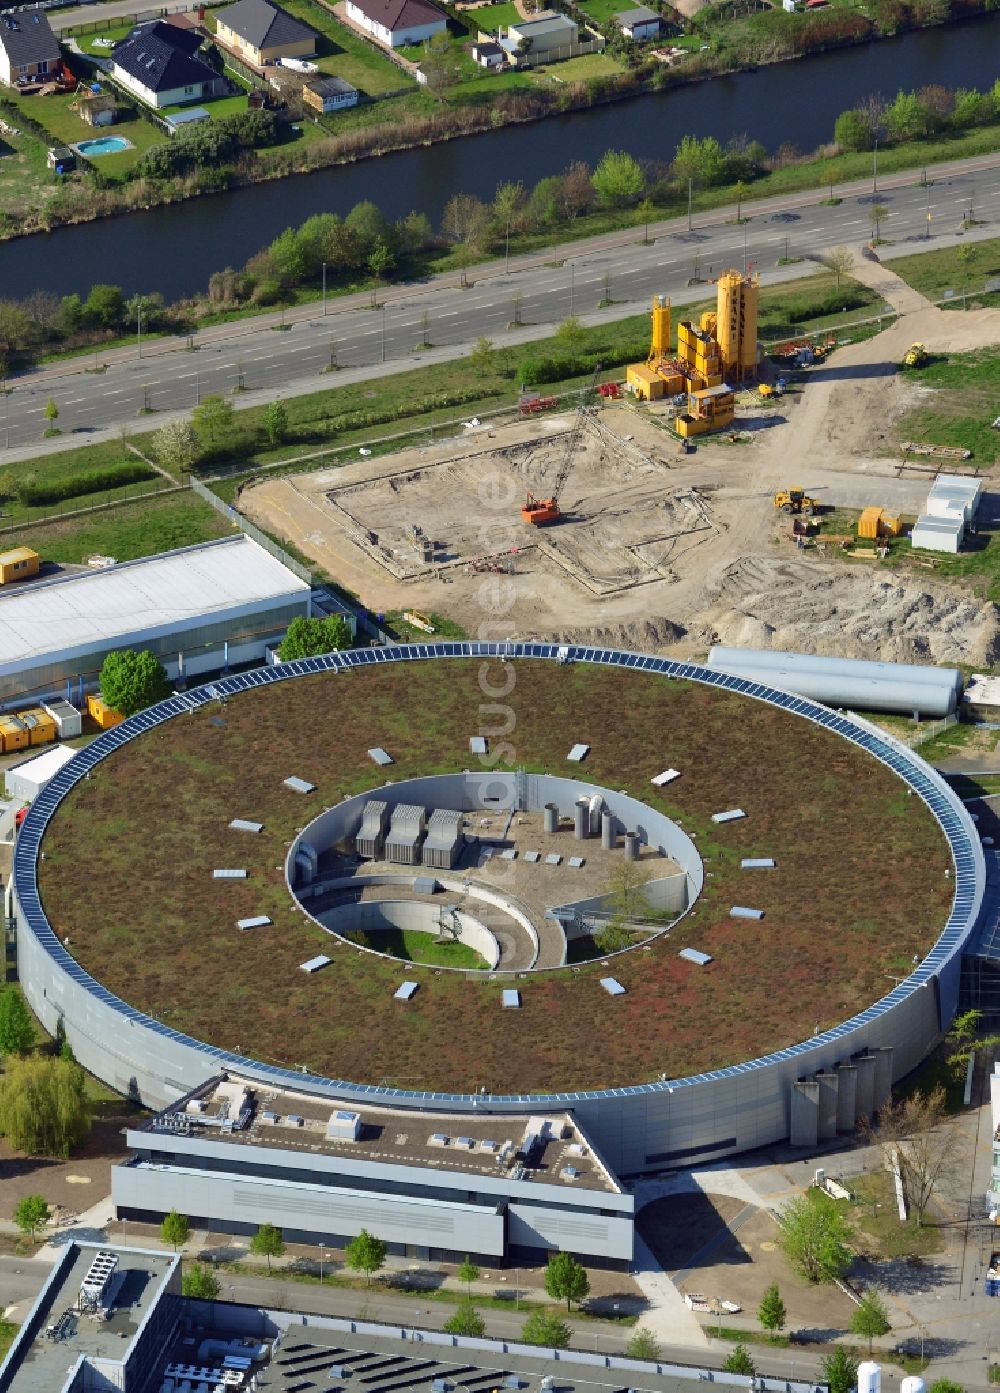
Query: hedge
(34, 494)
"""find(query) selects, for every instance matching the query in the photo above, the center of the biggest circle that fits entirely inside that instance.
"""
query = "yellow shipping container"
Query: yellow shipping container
(14, 735)
(868, 523)
(18, 564)
(104, 715)
(41, 727)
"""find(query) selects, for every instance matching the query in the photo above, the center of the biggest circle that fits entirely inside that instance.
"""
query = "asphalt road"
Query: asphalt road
(541, 290)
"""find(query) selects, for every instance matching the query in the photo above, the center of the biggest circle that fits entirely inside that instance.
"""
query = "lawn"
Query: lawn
(490, 18)
(932, 272)
(342, 53)
(419, 948)
(964, 404)
(876, 1223)
(99, 44)
(60, 466)
(135, 529)
(580, 69)
(66, 128)
(603, 11)
(221, 106)
(173, 951)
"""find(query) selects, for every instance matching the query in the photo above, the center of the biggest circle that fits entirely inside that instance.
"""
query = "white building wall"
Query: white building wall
(400, 38)
(176, 96)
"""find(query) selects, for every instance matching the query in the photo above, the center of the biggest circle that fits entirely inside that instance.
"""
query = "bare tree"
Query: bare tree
(839, 260)
(916, 1130)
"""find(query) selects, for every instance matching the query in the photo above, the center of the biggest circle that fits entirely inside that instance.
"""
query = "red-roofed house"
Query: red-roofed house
(398, 23)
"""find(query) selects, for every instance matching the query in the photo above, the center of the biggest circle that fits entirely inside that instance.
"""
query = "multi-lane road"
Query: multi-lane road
(509, 305)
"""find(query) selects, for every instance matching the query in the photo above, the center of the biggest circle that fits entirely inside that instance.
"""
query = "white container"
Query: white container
(869, 1377)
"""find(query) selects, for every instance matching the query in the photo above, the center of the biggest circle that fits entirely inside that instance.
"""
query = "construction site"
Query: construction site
(646, 513)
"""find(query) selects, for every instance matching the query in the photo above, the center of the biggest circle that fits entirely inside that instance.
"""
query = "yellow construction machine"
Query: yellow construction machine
(915, 356)
(796, 501)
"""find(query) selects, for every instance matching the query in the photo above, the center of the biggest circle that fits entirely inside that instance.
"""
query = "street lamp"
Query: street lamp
(324, 289)
(383, 308)
(321, 1252)
(875, 165)
(138, 325)
(572, 287)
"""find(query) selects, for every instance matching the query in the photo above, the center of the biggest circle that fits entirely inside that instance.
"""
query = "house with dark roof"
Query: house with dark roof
(159, 64)
(326, 94)
(28, 48)
(639, 24)
(398, 23)
(261, 33)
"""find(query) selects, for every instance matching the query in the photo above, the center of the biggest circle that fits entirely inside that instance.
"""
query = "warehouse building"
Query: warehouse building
(235, 1154)
(200, 609)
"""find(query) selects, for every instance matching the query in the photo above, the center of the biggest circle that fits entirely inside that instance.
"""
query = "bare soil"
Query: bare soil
(74, 1185)
(656, 550)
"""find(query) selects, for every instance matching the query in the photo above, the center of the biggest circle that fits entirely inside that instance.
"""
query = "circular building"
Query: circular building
(504, 880)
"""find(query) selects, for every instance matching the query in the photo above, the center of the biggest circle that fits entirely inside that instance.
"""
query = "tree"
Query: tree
(643, 1345)
(570, 334)
(877, 215)
(644, 215)
(465, 219)
(43, 1105)
(618, 180)
(50, 411)
(945, 1385)
(132, 679)
(30, 1213)
(738, 1361)
(839, 260)
(612, 936)
(851, 131)
(869, 1319)
(267, 1242)
(200, 1282)
(17, 1031)
(274, 419)
(468, 1273)
(507, 203)
(963, 1039)
(441, 64)
(104, 307)
(741, 190)
(307, 638)
(699, 161)
(543, 1328)
(214, 422)
(913, 1131)
(381, 260)
(466, 1320)
(482, 355)
(577, 193)
(366, 1254)
(627, 892)
(968, 256)
(566, 1279)
(176, 445)
(814, 1237)
(175, 1229)
(840, 1371)
(771, 1312)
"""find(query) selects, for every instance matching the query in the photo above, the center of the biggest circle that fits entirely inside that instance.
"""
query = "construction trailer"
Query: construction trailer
(19, 564)
(710, 409)
(938, 533)
(876, 522)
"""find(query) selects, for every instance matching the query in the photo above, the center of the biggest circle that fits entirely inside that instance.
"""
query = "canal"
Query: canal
(175, 249)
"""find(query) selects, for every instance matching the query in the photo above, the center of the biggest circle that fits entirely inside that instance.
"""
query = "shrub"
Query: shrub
(35, 494)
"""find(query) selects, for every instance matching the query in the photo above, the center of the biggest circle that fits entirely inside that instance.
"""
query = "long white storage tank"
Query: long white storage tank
(851, 682)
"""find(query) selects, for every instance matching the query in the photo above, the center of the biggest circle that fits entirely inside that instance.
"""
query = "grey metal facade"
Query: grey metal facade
(640, 1128)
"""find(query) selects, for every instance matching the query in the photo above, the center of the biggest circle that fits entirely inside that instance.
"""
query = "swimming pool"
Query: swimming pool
(103, 145)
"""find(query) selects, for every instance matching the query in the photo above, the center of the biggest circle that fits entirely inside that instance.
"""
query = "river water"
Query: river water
(175, 249)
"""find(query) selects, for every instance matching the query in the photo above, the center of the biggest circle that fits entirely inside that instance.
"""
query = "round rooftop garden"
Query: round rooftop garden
(858, 891)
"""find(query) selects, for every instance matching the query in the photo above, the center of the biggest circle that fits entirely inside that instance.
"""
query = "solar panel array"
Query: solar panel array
(969, 870)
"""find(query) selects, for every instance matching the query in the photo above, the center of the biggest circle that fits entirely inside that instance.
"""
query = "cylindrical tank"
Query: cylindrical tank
(631, 846)
(608, 837)
(912, 1384)
(581, 819)
(596, 804)
(869, 1377)
(550, 818)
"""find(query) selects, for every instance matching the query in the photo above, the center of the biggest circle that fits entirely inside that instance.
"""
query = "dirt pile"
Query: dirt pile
(652, 635)
(765, 602)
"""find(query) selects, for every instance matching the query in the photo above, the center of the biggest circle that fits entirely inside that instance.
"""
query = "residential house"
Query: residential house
(547, 38)
(326, 94)
(640, 24)
(488, 54)
(260, 33)
(398, 23)
(29, 51)
(159, 64)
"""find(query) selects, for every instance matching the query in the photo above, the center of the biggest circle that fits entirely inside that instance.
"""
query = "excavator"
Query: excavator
(539, 512)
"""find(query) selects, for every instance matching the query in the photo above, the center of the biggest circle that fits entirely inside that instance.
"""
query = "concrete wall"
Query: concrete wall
(647, 1127)
(415, 916)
